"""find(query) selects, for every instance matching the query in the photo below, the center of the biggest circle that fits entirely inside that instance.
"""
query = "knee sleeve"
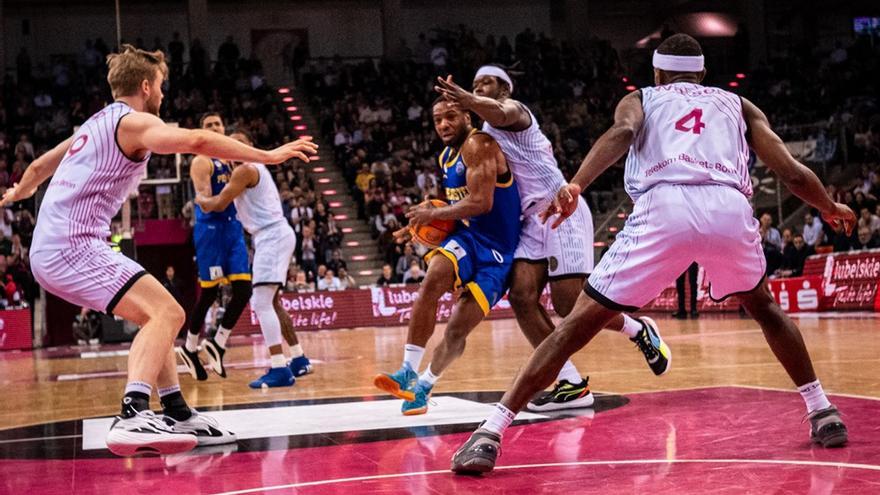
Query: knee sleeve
(241, 292)
(262, 304)
(206, 299)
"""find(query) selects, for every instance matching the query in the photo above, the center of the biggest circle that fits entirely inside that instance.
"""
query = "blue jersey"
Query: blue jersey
(500, 227)
(219, 177)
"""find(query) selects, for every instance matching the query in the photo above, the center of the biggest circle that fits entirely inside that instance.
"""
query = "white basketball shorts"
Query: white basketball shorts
(273, 248)
(567, 250)
(91, 275)
(672, 226)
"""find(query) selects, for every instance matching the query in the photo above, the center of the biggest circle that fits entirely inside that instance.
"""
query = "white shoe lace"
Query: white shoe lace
(149, 419)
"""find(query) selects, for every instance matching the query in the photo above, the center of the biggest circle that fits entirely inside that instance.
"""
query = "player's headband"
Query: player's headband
(678, 63)
(491, 70)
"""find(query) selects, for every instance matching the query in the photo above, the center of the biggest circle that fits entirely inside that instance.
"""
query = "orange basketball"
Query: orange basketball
(434, 233)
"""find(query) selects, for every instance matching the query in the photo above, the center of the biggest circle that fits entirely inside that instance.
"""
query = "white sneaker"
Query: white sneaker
(146, 433)
(205, 428)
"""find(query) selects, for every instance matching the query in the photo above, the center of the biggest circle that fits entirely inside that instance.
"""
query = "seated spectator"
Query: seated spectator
(813, 233)
(381, 221)
(414, 275)
(336, 263)
(406, 259)
(771, 241)
(346, 281)
(387, 278)
(869, 220)
(329, 281)
(865, 240)
(302, 284)
(794, 256)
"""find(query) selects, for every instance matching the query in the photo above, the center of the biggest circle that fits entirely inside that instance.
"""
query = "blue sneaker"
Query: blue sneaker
(399, 384)
(300, 366)
(420, 404)
(275, 377)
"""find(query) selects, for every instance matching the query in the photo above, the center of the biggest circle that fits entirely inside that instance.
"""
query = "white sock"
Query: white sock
(222, 336)
(296, 351)
(192, 342)
(499, 420)
(168, 390)
(142, 387)
(814, 396)
(570, 373)
(412, 355)
(427, 378)
(631, 326)
(278, 361)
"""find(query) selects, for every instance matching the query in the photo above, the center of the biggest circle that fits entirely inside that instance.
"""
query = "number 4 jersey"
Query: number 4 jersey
(691, 134)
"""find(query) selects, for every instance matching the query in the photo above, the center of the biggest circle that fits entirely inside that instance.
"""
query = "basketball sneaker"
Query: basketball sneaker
(192, 363)
(478, 454)
(420, 404)
(146, 433)
(205, 428)
(301, 366)
(656, 352)
(275, 377)
(215, 356)
(565, 395)
(827, 428)
(399, 384)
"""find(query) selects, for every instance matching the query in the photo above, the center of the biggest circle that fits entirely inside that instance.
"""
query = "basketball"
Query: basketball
(434, 233)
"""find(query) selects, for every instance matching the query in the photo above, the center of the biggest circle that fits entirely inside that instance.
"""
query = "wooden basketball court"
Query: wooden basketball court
(725, 412)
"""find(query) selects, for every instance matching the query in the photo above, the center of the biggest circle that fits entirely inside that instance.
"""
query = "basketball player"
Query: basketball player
(221, 256)
(544, 254)
(94, 171)
(477, 257)
(687, 172)
(252, 188)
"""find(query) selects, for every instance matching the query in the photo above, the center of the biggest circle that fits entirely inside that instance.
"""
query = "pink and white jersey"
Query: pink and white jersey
(692, 134)
(530, 157)
(89, 186)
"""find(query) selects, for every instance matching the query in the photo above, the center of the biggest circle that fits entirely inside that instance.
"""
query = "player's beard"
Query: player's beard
(153, 105)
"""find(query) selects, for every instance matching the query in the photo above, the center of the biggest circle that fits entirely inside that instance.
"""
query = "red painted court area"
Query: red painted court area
(721, 440)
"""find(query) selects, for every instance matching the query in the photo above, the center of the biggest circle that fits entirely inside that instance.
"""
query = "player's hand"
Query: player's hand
(15, 193)
(421, 214)
(840, 216)
(402, 235)
(302, 149)
(201, 200)
(453, 92)
(564, 204)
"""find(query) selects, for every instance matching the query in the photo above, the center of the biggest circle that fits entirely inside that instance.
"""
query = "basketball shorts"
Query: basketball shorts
(221, 254)
(91, 275)
(480, 269)
(273, 248)
(567, 250)
(671, 227)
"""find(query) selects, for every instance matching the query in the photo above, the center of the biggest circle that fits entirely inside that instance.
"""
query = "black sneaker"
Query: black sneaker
(478, 454)
(565, 395)
(656, 352)
(827, 428)
(192, 363)
(215, 357)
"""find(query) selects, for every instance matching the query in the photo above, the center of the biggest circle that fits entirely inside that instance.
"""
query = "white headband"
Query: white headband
(491, 70)
(678, 63)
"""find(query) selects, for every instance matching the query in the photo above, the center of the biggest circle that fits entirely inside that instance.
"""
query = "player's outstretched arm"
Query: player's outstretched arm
(507, 113)
(140, 132)
(797, 177)
(484, 159)
(200, 171)
(628, 118)
(40, 169)
(243, 176)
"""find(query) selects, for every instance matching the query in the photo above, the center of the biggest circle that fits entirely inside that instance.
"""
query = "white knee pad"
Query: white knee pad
(261, 303)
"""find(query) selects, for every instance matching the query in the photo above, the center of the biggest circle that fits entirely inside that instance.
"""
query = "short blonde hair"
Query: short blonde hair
(132, 66)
